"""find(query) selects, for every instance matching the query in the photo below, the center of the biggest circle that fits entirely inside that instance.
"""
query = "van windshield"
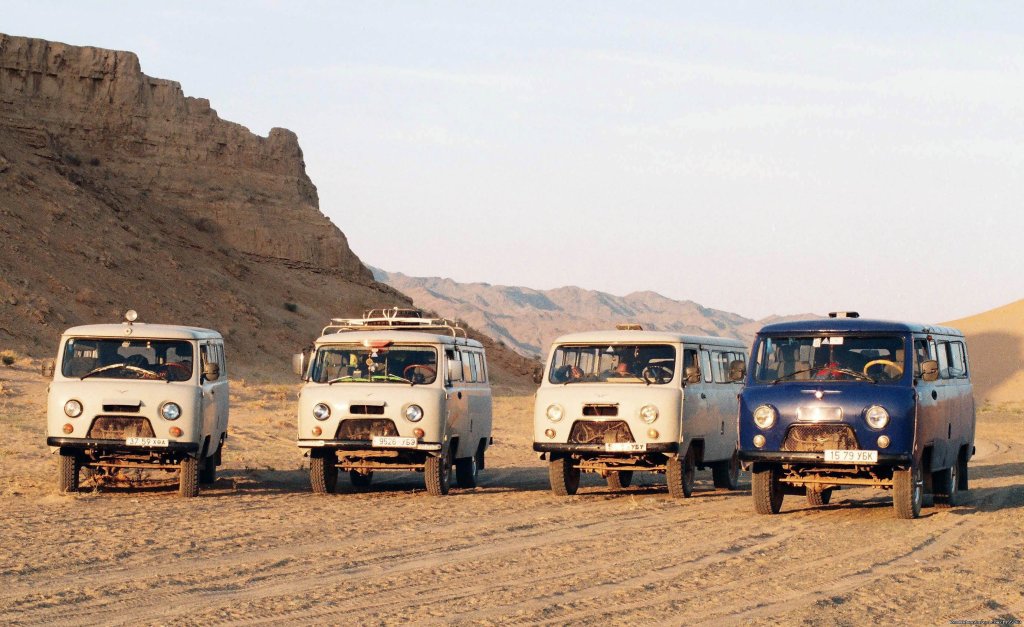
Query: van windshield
(164, 360)
(873, 359)
(614, 363)
(355, 363)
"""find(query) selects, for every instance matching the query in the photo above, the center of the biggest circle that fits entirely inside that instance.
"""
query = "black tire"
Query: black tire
(816, 497)
(679, 474)
(481, 455)
(188, 478)
(323, 471)
(466, 470)
(208, 470)
(766, 489)
(907, 492)
(437, 474)
(360, 479)
(947, 486)
(963, 474)
(69, 468)
(619, 479)
(726, 474)
(564, 477)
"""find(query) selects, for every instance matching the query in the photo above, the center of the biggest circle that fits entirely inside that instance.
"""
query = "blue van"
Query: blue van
(846, 401)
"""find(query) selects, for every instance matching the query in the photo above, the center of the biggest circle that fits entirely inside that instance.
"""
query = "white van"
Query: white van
(623, 401)
(134, 397)
(394, 391)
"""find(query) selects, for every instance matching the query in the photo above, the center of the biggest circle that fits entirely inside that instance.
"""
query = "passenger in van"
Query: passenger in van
(789, 364)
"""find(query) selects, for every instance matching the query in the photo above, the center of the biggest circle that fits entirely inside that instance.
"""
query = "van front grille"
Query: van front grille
(594, 432)
(120, 427)
(364, 429)
(819, 438)
(366, 410)
(597, 409)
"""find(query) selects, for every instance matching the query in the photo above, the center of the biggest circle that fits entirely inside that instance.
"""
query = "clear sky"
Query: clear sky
(755, 157)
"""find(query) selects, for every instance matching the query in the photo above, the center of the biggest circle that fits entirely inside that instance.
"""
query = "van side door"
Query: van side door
(722, 406)
(456, 401)
(931, 426)
(697, 417)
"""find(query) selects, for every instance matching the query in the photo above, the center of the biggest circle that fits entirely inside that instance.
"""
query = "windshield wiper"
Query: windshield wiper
(846, 371)
(121, 365)
(793, 374)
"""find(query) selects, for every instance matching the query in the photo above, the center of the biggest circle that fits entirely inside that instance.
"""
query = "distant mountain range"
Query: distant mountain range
(527, 320)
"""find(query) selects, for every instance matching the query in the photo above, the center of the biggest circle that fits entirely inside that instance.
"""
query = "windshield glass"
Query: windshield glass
(878, 359)
(615, 363)
(356, 363)
(165, 360)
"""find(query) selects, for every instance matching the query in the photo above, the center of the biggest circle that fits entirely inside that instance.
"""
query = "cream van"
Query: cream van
(623, 401)
(133, 397)
(394, 391)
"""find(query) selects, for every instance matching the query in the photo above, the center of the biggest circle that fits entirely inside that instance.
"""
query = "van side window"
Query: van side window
(921, 354)
(474, 365)
(691, 364)
(454, 370)
(467, 369)
(957, 360)
(942, 356)
(720, 366)
(483, 367)
(705, 358)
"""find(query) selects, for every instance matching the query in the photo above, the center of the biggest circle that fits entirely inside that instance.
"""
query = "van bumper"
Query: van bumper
(811, 457)
(567, 447)
(119, 445)
(363, 445)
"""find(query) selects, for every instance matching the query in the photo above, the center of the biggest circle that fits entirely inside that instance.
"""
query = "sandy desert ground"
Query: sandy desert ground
(259, 548)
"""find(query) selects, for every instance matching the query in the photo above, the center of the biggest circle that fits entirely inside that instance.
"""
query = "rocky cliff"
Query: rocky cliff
(117, 191)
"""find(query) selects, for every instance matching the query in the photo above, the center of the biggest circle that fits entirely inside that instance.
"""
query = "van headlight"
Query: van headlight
(321, 411)
(648, 413)
(413, 413)
(555, 412)
(73, 408)
(764, 416)
(876, 417)
(170, 411)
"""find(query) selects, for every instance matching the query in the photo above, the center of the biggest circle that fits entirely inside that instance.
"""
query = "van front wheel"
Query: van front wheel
(766, 489)
(679, 474)
(323, 471)
(188, 479)
(907, 492)
(68, 470)
(437, 473)
(564, 477)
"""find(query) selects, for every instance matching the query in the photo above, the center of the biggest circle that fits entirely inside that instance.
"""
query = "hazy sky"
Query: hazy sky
(754, 157)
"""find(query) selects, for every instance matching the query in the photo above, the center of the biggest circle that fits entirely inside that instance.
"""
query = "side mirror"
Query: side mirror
(211, 371)
(737, 370)
(47, 368)
(929, 370)
(692, 374)
(538, 375)
(299, 364)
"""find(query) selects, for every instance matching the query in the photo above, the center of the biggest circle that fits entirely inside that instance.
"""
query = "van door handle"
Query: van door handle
(460, 395)
(703, 396)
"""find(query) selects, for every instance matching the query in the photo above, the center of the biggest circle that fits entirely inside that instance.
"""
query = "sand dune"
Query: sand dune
(995, 340)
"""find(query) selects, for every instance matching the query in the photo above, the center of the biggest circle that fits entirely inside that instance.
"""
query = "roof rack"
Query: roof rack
(394, 318)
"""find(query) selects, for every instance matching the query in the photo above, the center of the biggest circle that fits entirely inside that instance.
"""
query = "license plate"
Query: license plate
(146, 441)
(393, 442)
(851, 457)
(625, 447)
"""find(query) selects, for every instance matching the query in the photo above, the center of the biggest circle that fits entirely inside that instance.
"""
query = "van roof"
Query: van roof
(644, 337)
(855, 325)
(142, 330)
(397, 335)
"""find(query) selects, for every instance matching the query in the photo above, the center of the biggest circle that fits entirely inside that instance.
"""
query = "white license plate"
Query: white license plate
(851, 457)
(625, 447)
(394, 442)
(146, 441)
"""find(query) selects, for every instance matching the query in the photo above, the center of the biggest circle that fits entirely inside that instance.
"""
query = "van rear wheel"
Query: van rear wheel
(817, 497)
(766, 489)
(726, 474)
(323, 471)
(437, 473)
(619, 479)
(962, 474)
(947, 486)
(208, 470)
(564, 477)
(69, 469)
(188, 477)
(466, 471)
(907, 492)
